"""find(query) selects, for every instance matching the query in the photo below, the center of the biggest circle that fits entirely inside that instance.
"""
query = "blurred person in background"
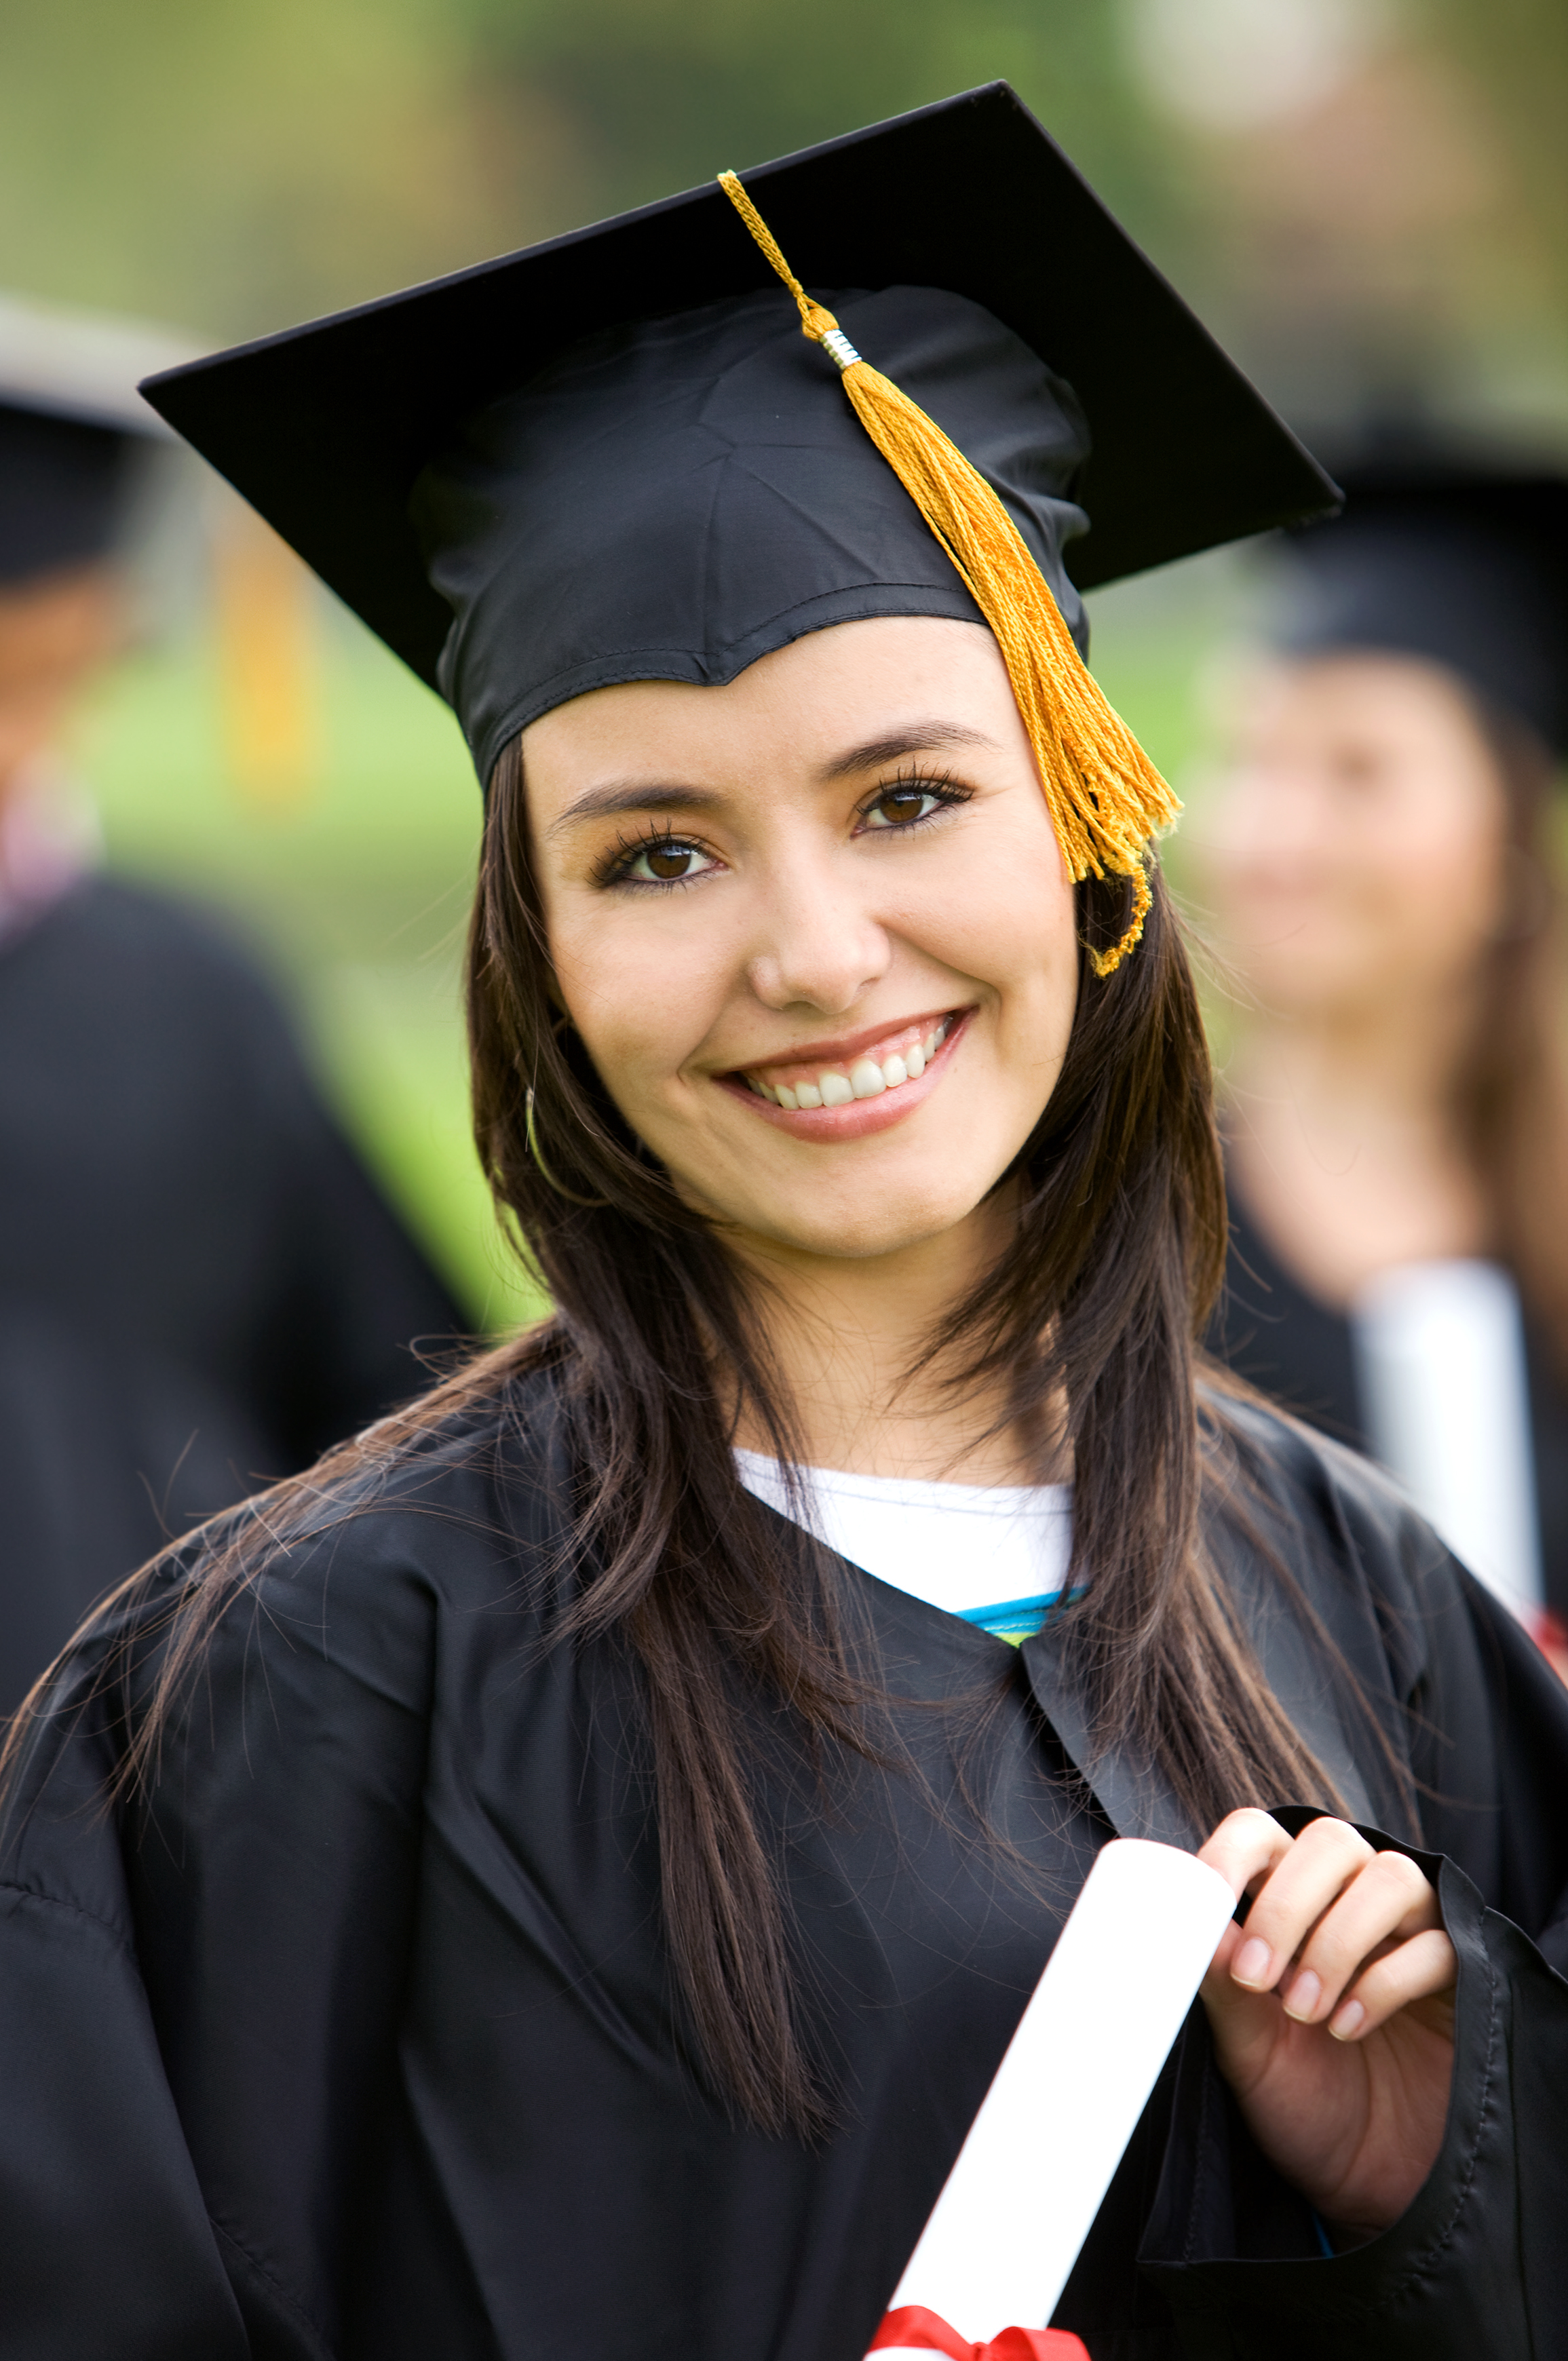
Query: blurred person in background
(1382, 869)
(200, 1286)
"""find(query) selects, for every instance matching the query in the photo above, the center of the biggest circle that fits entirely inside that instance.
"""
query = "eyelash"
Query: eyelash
(940, 784)
(613, 870)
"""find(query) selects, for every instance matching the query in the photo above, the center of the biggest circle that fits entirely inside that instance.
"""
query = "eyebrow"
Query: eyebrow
(612, 801)
(606, 802)
(916, 738)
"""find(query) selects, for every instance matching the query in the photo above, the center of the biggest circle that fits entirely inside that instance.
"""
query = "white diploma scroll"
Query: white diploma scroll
(1441, 1352)
(1029, 2179)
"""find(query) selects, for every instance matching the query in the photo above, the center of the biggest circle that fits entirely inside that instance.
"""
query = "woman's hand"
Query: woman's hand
(1332, 2014)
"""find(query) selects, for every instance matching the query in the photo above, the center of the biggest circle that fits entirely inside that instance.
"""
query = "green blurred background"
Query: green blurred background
(1368, 201)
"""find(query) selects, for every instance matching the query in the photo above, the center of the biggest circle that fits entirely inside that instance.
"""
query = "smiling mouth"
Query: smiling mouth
(888, 1065)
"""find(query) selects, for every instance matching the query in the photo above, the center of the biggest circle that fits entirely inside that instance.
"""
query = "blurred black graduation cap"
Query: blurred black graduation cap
(1457, 557)
(328, 428)
(73, 432)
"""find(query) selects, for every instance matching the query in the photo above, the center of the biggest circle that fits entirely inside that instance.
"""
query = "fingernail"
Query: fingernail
(1304, 1996)
(1253, 1961)
(1347, 2022)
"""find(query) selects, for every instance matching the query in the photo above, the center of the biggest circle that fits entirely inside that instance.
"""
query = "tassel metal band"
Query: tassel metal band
(1106, 799)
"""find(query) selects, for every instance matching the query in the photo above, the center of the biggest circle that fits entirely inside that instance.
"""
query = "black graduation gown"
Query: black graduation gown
(359, 2042)
(200, 1286)
(1282, 1340)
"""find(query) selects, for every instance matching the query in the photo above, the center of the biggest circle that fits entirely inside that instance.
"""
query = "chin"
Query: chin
(862, 1232)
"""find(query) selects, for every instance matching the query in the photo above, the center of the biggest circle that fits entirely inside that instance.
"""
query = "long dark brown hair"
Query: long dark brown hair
(656, 1339)
(1510, 1090)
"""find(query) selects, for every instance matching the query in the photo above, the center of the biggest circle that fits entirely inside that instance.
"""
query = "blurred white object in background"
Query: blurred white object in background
(1442, 1355)
(1231, 65)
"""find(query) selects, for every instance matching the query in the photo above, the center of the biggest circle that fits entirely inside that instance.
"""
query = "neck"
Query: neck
(1344, 1142)
(1391, 1063)
(847, 1337)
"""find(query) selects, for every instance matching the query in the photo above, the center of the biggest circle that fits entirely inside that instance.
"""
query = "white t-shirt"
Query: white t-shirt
(995, 1554)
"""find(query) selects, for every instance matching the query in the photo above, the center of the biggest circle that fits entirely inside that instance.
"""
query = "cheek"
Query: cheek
(641, 994)
(1440, 882)
(1011, 921)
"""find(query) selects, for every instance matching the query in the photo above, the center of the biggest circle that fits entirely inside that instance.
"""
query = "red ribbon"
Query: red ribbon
(917, 2327)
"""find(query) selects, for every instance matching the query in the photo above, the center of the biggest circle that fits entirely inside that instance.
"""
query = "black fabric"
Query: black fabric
(326, 429)
(1464, 566)
(672, 499)
(1282, 1340)
(199, 1288)
(359, 2039)
(62, 491)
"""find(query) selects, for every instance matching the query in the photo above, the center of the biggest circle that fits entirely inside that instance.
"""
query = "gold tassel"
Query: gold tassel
(266, 662)
(1105, 796)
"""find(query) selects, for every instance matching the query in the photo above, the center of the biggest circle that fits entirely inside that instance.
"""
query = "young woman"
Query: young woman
(1383, 875)
(516, 1891)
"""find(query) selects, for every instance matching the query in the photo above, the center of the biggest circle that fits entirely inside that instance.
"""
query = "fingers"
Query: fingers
(1245, 1845)
(1345, 1934)
(1418, 1970)
(1386, 1901)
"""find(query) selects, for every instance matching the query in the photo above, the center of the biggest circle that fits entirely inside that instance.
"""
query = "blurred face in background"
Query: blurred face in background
(1358, 851)
(54, 633)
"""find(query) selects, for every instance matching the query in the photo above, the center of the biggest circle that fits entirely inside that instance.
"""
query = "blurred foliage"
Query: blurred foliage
(242, 162)
(1516, 52)
(661, 93)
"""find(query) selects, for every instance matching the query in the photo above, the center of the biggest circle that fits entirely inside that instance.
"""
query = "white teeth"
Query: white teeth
(866, 1078)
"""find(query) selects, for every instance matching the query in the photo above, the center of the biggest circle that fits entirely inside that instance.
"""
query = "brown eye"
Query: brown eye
(896, 807)
(667, 861)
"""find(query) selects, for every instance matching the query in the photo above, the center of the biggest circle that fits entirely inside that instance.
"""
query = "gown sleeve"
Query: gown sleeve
(199, 1994)
(1476, 2268)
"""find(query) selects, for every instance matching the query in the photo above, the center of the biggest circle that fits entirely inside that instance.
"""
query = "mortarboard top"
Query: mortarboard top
(325, 428)
(72, 422)
(1452, 555)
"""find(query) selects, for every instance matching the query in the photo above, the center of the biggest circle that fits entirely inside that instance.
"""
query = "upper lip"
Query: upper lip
(844, 1046)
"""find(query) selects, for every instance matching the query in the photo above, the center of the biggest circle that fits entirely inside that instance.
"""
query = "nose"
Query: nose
(818, 945)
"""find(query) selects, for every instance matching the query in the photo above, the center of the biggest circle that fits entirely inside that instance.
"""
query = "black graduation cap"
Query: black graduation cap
(1459, 559)
(521, 434)
(72, 430)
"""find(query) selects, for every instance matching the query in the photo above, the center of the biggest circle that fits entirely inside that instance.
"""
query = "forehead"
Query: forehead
(1370, 688)
(847, 686)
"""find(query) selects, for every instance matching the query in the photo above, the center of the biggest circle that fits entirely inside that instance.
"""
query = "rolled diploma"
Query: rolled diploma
(1018, 2204)
(1440, 1351)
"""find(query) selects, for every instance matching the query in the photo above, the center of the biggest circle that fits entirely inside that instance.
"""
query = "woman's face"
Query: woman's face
(814, 928)
(53, 635)
(1357, 854)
